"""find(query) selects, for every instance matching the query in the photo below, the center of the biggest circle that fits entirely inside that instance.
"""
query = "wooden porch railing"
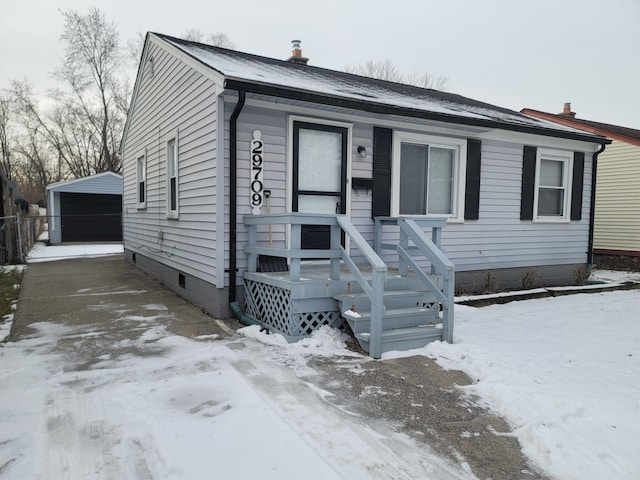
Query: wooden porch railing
(412, 229)
(374, 289)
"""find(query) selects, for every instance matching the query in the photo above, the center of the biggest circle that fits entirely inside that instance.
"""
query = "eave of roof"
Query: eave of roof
(368, 106)
(66, 183)
(615, 132)
(279, 78)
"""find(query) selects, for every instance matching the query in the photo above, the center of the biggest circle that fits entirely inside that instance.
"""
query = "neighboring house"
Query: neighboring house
(86, 209)
(232, 159)
(616, 239)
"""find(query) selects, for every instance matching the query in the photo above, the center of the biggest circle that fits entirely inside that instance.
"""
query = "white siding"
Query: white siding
(174, 97)
(178, 97)
(617, 217)
(499, 239)
(273, 126)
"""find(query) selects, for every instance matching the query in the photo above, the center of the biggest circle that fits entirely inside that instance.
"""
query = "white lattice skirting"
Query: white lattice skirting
(275, 308)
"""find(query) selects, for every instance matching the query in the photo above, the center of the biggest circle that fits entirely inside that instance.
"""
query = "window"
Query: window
(553, 185)
(141, 176)
(427, 176)
(172, 178)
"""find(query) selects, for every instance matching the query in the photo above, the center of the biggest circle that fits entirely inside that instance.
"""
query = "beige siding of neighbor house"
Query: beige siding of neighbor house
(617, 213)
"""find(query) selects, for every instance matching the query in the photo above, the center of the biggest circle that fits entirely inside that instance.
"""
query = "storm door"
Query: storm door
(319, 176)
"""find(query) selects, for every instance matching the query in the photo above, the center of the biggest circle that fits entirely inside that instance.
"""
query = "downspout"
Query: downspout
(233, 212)
(592, 212)
(233, 188)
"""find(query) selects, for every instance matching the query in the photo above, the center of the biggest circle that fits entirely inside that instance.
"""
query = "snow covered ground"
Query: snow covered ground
(564, 372)
(46, 253)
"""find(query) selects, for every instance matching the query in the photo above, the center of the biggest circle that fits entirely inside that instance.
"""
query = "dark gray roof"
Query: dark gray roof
(280, 78)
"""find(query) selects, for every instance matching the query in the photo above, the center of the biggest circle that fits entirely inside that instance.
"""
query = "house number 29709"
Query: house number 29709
(257, 159)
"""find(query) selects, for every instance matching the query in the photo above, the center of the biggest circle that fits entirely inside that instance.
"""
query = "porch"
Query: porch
(404, 301)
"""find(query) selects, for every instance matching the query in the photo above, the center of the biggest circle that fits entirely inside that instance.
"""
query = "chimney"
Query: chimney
(296, 54)
(566, 111)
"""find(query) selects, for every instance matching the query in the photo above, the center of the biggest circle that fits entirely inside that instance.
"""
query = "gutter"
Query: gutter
(233, 214)
(233, 188)
(592, 212)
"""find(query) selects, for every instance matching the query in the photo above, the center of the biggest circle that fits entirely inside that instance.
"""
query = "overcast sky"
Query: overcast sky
(512, 53)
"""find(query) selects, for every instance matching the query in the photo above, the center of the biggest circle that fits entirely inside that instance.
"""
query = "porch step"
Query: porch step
(403, 338)
(392, 299)
(410, 318)
(396, 318)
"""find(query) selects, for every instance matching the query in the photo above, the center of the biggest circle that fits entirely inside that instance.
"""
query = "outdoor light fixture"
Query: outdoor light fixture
(362, 151)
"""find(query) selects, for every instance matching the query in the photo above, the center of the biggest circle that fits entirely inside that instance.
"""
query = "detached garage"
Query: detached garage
(87, 209)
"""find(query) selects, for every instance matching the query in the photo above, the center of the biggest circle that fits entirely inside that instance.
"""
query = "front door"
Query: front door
(319, 176)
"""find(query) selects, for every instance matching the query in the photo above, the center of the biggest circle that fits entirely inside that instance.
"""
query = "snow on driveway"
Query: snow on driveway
(564, 372)
(41, 252)
(191, 410)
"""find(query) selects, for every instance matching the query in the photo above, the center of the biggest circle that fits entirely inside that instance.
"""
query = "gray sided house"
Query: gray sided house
(297, 196)
(86, 209)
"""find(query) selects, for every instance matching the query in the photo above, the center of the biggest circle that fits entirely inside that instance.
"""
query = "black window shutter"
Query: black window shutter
(472, 187)
(577, 186)
(528, 182)
(381, 194)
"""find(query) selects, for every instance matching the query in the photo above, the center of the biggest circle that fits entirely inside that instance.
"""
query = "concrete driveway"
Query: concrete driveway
(412, 396)
(86, 291)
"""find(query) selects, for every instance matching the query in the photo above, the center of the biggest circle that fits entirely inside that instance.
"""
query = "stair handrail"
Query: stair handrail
(442, 266)
(429, 249)
(375, 290)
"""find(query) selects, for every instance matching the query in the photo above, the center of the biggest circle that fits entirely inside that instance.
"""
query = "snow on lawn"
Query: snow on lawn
(7, 320)
(564, 372)
(614, 276)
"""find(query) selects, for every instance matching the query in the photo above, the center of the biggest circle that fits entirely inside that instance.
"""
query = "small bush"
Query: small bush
(529, 277)
(580, 275)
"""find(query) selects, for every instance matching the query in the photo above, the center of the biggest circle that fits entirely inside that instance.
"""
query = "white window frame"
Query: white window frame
(141, 176)
(172, 213)
(567, 159)
(459, 145)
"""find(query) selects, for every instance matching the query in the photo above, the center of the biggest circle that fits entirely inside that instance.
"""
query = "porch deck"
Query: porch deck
(387, 307)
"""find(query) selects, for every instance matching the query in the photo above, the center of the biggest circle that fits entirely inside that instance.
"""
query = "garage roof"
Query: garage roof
(105, 183)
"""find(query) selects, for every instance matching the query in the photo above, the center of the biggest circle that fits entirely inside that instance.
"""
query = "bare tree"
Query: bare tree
(33, 144)
(6, 150)
(387, 70)
(34, 171)
(93, 106)
(135, 45)
(134, 48)
(428, 80)
(33, 122)
(215, 39)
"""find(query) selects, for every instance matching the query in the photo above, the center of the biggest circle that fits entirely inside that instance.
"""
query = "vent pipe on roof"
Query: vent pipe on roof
(296, 53)
(566, 111)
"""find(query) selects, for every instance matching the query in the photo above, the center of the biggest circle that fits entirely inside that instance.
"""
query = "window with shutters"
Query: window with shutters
(553, 185)
(428, 176)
